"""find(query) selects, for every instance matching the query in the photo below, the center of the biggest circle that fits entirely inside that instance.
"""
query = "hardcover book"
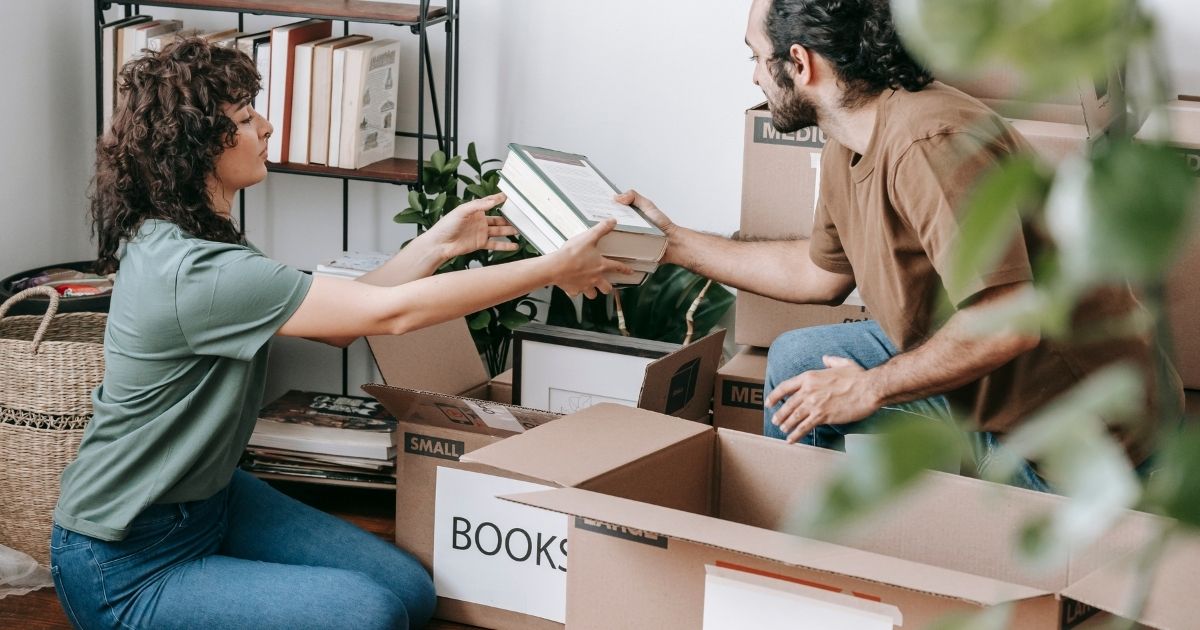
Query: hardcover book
(553, 196)
(368, 128)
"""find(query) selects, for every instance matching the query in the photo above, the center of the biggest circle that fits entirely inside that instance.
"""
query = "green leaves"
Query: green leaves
(994, 210)
(653, 310)
(1123, 215)
(1049, 44)
(1173, 490)
(879, 469)
(1076, 454)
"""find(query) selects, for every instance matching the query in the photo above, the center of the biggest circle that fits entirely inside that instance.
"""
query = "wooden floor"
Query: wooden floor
(371, 510)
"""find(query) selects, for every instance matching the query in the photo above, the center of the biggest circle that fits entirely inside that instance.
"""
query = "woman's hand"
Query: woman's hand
(579, 267)
(468, 228)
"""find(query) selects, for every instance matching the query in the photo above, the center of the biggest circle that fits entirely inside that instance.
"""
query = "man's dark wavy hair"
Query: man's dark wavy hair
(166, 133)
(856, 36)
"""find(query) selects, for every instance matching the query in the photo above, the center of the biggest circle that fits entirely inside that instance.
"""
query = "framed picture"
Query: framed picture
(564, 370)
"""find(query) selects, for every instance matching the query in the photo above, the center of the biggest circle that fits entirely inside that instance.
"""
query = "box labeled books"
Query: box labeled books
(348, 439)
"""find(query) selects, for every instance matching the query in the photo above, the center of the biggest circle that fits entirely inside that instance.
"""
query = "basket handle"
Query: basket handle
(51, 310)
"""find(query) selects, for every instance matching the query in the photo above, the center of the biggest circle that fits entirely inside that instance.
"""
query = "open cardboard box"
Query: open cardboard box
(781, 175)
(1183, 281)
(947, 546)
(438, 390)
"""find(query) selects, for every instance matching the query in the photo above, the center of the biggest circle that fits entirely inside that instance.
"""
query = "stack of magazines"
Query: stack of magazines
(327, 437)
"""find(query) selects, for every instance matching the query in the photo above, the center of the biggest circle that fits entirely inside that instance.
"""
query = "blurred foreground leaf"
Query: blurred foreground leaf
(1077, 456)
(880, 469)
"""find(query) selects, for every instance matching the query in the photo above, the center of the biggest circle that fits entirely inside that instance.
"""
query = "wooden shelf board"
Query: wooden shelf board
(392, 171)
(352, 10)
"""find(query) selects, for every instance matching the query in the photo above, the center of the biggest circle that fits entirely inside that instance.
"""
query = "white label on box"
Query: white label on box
(814, 160)
(735, 600)
(496, 417)
(497, 553)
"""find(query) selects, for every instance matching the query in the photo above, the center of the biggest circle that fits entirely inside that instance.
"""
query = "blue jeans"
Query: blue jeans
(802, 350)
(247, 557)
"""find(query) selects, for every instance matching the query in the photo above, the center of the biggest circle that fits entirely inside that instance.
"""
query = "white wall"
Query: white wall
(48, 109)
(652, 91)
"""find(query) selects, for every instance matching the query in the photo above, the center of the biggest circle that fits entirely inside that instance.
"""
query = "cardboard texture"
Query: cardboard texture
(948, 546)
(1183, 281)
(781, 173)
(780, 176)
(448, 409)
(738, 392)
(1172, 602)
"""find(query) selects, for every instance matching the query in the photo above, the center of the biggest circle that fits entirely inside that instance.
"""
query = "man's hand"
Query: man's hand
(633, 198)
(840, 394)
(468, 228)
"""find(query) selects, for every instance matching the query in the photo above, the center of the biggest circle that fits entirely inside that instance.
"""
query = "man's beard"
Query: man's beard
(792, 111)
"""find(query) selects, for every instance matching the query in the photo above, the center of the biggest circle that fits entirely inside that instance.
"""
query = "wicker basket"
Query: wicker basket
(49, 366)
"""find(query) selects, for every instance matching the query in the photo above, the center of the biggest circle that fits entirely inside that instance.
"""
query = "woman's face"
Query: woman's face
(245, 163)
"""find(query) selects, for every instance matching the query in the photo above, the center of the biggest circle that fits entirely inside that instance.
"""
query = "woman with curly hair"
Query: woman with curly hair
(156, 527)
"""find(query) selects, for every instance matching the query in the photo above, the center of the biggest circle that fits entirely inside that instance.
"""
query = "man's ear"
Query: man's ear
(803, 69)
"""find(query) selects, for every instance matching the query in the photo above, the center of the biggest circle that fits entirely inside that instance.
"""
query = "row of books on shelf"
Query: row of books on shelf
(328, 437)
(332, 100)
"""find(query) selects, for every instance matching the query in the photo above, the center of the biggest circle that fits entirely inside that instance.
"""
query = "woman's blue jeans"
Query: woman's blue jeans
(247, 557)
(802, 350)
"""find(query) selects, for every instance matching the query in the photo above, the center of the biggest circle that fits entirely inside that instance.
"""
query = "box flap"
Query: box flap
(439, 358)
(582, 446)
(681, 383)
(1184, 120)
(1172, 602)
(750, 363)
(777, 546)
(453, 412)
(1099, 104)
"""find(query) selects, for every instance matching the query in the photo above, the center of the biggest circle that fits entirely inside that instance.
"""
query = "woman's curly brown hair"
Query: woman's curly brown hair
(167, 130)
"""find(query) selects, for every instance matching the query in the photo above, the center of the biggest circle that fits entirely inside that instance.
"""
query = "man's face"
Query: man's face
(791, 108)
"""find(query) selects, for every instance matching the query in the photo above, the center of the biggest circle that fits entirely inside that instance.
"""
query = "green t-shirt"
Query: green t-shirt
(185, 368)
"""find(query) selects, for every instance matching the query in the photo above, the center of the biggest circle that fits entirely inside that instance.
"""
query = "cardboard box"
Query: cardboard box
(948, 546)
(780, 177)
(439, 497)
(738, 392)
(1095, 105)
(1183, 281)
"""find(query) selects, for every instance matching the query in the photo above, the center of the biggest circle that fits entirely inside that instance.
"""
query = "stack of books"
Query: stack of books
(324, 437)
(332, 100)
(553, 196)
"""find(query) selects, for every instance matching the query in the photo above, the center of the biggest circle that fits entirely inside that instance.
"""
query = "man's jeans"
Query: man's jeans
(802, 350)
(247, 557)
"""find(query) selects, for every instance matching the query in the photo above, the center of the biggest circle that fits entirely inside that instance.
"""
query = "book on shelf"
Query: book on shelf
(110, 54)
(553, 196)
(137, 37)
(368, 127)
(326, 424)
(159, 42)
(323, 95)
(352, 264)
(284, 40)
(302, 99)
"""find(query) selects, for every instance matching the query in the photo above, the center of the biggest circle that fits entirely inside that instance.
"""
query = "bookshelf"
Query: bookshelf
(418, 18)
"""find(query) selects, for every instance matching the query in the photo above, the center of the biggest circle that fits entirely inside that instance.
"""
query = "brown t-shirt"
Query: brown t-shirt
(891, 217)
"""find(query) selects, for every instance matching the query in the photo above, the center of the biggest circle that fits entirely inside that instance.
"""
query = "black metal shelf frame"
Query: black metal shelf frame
(445, 122)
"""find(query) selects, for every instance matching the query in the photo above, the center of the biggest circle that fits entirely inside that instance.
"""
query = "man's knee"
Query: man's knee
(801, 350)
